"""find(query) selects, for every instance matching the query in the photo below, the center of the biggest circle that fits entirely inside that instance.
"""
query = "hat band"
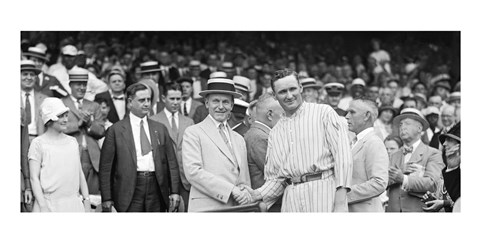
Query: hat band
(221, 86)
(78, 77)
(35, 54)
(149, 68)
(241, 86)
(27, 66)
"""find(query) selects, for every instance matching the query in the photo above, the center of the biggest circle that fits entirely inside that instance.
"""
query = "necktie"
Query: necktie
(144, 143)
(174, 127)
(185, 112)
(407, 149)
(79, 104)
(28, 109)
(225, 139)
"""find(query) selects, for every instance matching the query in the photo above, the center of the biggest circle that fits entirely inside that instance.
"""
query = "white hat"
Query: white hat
(411, 113)
(431, 110)
(241, 83)
(28, 65)
(358, 81)
(309, 82)
(410, 67)
(194, 63)
(51, 108)
(227, 65)
(453, 96)
(149, 66)
(78, 75)
(69, 50)
(37, 53)
(218, 74)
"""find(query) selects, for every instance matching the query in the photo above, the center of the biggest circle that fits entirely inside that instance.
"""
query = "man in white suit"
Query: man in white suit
(214, 156)
(370, 159)
(176, 124)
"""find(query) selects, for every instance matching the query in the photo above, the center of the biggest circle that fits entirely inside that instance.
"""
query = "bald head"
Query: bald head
(447, 115)
(268, 110)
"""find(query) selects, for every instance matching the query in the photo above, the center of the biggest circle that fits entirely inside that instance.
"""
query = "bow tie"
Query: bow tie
(407, 149)
(118, 98)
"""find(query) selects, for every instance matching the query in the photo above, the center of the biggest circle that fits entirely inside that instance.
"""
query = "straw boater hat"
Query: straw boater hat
(37, 53)
(453, 96)
(240, 106)
(28, 65)
(358, 81)
(334, 88)
(220, 86)
(149, 66)
(78, 75)
(241, 83)
(218, 74)
(69, 50)
(453, 133)
(387, 107)
(431, 110)
(51, 108)
(411, 113)
(310, 83)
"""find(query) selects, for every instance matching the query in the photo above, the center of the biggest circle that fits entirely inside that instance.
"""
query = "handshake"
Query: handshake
(243, 194)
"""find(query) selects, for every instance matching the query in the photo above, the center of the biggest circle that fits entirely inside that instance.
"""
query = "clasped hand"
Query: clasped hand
(243, 194)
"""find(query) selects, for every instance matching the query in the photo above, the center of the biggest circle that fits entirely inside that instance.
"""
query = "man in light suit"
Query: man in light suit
(30, 98)
(188, 105)
(139, 171)
(268, 112)
(370, 159)
(414, 169)
(214, 156)
(176, 125)
(86, 125)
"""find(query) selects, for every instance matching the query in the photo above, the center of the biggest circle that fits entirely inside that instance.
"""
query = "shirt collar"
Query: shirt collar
(363, 133)
(297, 113)
(168, 113)
(23, 92)
(261, 123)
(75, 99)
(136, 120)
(112, 95)
(415, 145)
(217, 123)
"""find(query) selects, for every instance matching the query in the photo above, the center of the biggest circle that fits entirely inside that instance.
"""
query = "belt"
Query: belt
(309, 177)
(145, 174)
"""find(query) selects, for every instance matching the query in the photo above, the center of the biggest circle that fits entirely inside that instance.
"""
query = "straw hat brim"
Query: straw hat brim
(442, 137)
(397, 119)
(37, 71)
(36, 56)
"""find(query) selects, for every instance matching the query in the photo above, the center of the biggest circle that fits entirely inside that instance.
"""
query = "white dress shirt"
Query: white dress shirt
(169, 117)
(362, 135)
(144, 163)
(406, 160)
(32, 127)
(187, 102)
(119, 105)
(197, 87)
(217, 124)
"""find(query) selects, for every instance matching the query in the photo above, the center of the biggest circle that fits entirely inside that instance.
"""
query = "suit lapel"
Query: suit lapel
(163, 119)
(69, 103)
(112, 106)
(182, 125)
(127, 134)
(360, 145)
(418, 153)
(208, 126)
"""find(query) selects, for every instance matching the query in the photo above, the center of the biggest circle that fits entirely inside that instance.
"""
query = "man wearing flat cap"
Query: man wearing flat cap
(310, 90)
(86, 125)
(334, 94)
(415, 168)
(45, 83)
(214, 156)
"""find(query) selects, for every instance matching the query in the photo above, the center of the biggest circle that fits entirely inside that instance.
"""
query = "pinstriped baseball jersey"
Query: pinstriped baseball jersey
(313, 139)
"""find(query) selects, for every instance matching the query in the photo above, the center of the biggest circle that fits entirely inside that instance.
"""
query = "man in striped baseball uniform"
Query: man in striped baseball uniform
(308, 155)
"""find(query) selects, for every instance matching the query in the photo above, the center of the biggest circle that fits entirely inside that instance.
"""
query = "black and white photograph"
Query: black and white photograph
(220, 126)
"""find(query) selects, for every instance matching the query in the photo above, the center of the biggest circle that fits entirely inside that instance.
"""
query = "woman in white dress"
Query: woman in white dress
(55, 169)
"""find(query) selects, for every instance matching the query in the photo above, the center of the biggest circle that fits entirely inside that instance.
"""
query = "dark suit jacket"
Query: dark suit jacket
(409, 201)
(92, 133)
(183, 123)
(173, 75)
(193, 107)
(38, 100)
(241, 129)
(452, 183)
(200, 114)
(257, 141)
(118, 163)
(48, 86)
(113, 114)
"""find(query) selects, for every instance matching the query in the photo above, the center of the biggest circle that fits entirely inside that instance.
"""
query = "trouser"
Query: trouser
(147, 196)
(91, 176)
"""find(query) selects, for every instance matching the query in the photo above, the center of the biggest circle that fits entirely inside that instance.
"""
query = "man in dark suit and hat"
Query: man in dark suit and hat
(334, 95)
